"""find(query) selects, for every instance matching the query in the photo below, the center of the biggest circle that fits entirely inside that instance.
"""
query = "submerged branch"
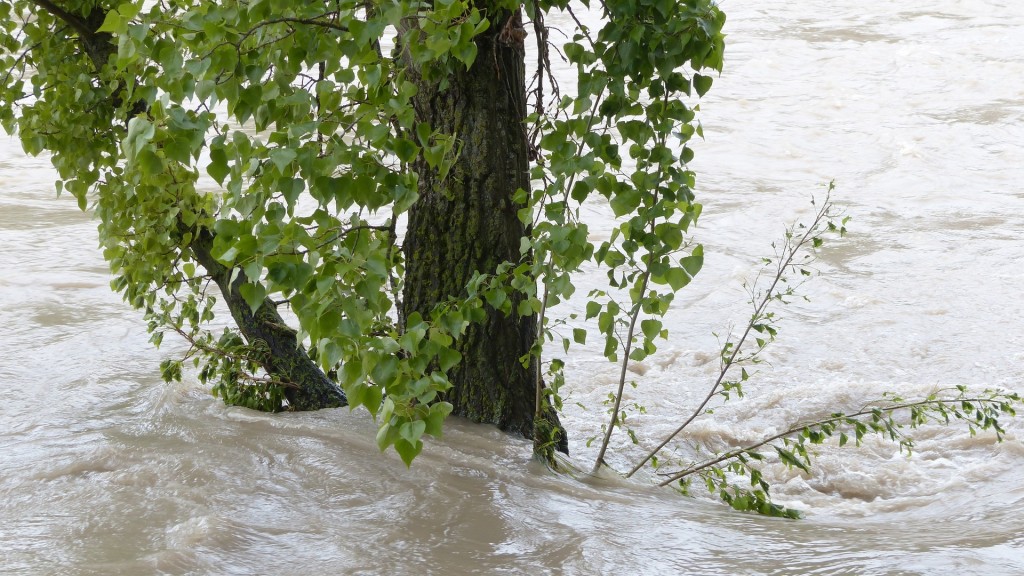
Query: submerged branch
(288, 360)
(942, 407)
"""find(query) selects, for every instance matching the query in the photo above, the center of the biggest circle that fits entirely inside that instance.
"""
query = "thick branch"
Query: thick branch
(98, 45)
(288, 361)
(74, 21)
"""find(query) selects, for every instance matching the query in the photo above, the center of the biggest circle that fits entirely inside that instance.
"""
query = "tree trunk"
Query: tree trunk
(307, 387)
(468, 223)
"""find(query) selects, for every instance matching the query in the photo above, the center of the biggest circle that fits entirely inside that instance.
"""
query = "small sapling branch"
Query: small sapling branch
(733, 352)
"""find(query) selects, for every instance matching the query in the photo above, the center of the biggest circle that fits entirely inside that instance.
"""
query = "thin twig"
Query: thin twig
(769, 295)
(622, 373)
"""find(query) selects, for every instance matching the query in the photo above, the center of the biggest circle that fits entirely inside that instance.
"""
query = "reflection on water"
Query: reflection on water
(914, 110)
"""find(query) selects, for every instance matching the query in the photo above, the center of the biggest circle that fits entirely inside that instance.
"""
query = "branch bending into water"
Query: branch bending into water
(983, 416)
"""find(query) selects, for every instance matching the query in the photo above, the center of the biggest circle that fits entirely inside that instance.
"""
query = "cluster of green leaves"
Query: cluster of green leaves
(304, 122)
(622, 137)
(721, 480)
(232, 369)
(316, 172)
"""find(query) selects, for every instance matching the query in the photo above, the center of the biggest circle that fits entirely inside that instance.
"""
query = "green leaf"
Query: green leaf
(405, 149)
(651, 328)
(218, 166)
(128, 10)
(149, 163)
(670, 234)
(466, 53)
(677, 278)
(407, 450)
(372, 399)
(385, 370)
(411, 431)
(791, 460)
(625, 202)
(113, 23)
(448, 358)
(282, 157)
(253, 294)
(435, 418)
(386, 435)
(356, 395)
(701, 84)
(694, 262)
(140, 132)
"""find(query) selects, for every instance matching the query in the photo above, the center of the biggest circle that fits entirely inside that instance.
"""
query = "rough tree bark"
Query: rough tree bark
(468, 223)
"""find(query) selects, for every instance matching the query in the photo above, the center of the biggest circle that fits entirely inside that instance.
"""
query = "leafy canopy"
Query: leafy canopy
(285, 130)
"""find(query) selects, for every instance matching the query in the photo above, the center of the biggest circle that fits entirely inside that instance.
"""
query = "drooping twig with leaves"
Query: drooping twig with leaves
(793, 256)
(888, 418)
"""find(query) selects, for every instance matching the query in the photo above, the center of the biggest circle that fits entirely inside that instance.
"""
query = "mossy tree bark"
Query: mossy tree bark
(306, 385)
(468, 223)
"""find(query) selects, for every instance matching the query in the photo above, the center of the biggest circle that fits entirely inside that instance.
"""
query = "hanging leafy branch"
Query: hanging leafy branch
(621, 139)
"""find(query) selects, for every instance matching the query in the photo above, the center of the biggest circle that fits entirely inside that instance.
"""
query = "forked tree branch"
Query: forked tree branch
(784, 264)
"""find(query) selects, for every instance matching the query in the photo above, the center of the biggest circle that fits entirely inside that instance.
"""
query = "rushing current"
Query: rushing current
(914, 108)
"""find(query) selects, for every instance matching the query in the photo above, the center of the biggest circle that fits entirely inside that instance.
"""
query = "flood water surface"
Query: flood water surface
(913, 108)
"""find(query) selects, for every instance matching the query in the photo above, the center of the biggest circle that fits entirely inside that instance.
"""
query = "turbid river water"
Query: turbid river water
(915, 108)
